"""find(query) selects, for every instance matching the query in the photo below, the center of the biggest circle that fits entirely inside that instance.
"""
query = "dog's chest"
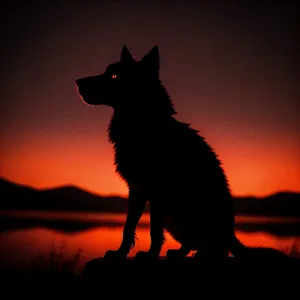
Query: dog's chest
(137, 160)
(140, 150)
(134, 158)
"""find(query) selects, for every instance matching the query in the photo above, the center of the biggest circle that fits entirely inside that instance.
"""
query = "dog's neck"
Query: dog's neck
(140, 120)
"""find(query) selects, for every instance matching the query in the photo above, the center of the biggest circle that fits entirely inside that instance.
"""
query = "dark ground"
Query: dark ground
(189, 278)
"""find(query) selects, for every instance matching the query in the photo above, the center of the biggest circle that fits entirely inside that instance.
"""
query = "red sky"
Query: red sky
(229, 69)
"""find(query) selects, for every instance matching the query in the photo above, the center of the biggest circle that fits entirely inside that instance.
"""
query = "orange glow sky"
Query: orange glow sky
(231, 78)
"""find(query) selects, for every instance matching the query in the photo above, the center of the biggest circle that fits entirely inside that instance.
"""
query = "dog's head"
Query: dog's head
(122, 81)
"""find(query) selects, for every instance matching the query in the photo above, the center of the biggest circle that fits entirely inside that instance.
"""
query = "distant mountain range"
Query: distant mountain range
(71, 198)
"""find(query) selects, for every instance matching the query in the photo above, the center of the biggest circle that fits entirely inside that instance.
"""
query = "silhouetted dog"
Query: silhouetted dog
(166, 163)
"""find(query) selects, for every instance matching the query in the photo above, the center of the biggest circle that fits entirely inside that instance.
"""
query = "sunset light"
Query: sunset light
(104, 186)
(253, 166)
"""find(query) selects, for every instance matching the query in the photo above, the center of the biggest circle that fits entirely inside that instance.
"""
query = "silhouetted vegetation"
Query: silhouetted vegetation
(293, 251)
(56, 264)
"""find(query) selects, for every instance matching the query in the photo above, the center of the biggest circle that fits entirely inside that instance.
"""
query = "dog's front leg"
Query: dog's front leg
(156, 233)
(136, 206)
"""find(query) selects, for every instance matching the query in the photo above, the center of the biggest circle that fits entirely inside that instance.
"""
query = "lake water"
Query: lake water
(24, 236)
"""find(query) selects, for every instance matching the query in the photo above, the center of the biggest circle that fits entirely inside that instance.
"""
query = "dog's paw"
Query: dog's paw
(146, 256)
(114, 255)
(174, 254)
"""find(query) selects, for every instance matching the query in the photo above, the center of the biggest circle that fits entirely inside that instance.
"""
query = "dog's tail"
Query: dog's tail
(239, 250)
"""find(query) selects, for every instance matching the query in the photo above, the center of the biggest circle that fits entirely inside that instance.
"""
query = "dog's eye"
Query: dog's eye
(114, 76)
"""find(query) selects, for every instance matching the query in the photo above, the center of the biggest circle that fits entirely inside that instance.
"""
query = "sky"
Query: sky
(230, 68)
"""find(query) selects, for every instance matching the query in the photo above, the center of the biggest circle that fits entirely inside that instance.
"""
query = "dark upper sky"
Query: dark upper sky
(231, 69)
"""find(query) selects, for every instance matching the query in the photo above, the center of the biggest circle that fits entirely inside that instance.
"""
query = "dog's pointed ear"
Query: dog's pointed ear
(125, 55)
(151, 59)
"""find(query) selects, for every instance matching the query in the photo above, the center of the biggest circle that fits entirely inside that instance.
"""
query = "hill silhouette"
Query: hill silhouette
(72, 198)
(65, 198)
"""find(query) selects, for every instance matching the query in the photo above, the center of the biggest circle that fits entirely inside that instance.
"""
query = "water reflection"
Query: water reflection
(74, 222)
(27, 235)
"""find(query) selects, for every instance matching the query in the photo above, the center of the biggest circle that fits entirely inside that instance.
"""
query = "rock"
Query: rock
(187, 274)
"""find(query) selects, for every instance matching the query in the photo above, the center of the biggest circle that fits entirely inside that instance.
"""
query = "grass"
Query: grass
(56, 267)
(293, 251)
(52, 272)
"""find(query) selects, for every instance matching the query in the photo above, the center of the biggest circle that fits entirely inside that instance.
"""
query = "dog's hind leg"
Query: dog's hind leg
(182, 252)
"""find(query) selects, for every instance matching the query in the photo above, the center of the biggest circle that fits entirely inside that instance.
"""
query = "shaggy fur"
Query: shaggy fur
(165, 162)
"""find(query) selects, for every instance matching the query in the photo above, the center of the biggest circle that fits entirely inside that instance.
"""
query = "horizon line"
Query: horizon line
(112, 194)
